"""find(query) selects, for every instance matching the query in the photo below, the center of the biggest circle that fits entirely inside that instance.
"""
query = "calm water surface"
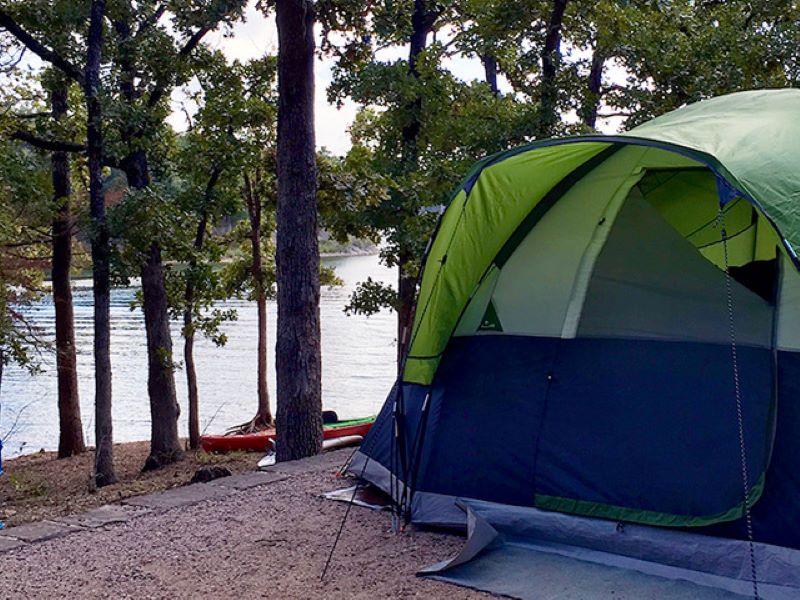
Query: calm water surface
(358, 367)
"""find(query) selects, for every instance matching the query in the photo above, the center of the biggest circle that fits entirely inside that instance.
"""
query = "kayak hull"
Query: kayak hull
(262, 441)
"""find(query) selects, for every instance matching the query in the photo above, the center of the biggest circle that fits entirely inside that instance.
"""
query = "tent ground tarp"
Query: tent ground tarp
(531, 554)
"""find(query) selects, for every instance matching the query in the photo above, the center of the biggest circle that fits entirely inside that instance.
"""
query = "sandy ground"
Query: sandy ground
(38, 486)
(270, 541)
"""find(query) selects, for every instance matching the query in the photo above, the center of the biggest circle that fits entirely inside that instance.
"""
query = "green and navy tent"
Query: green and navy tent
(578, 311)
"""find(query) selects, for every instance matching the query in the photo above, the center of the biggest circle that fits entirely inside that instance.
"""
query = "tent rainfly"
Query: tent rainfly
(591, 312)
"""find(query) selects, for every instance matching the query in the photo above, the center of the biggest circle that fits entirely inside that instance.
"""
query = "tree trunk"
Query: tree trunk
(591, 102)
(103, 464)
(70, 441)
(188, 341)
(422, 21)
(490, 69)
(164, 442)
(551, 58)
(191, 381)
(188, 317)
(298, 360)
(165, 447)
(406, 292)
(263, 418)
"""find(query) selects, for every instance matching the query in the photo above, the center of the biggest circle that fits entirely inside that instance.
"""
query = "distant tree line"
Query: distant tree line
(91, 172)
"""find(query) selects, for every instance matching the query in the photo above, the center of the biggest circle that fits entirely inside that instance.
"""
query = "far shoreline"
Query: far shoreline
(86, 275)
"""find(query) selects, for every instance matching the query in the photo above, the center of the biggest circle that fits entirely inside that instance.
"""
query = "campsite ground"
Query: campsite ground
(268, 540)
(38, 486)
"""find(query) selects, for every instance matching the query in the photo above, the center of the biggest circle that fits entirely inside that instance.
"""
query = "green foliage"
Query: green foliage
(237, 274)
(370, 297)
(348, 189)
(685, 51)
(142, 217)
(24, 237)
(418, 132)
(149, 57)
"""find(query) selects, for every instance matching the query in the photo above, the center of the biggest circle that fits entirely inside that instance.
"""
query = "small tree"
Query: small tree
(420, 127)
(24, 214)
(209, 163)
(226, 162)
(38, 112)
(69, 411)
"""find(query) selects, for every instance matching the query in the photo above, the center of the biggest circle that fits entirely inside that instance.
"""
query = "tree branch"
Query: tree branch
(151, 20)
(111, 161)
(45, 53)
(195, 39)
(35, 115)
(12, 64)
(192, 43)
(608, 115)
(45, 144)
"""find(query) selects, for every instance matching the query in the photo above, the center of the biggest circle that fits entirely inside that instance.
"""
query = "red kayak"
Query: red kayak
(262, 441)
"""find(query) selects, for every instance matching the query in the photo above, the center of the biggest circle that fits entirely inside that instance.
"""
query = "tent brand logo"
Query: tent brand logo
(490, 321)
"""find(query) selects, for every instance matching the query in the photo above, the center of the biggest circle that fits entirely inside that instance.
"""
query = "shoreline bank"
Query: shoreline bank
(40, 486)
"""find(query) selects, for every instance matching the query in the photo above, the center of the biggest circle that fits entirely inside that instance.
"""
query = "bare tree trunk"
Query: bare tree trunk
(490, 69)
(103, 464)
(263, 418)
(551, 58)
(594, 86)
(298, 359)
(70, 441)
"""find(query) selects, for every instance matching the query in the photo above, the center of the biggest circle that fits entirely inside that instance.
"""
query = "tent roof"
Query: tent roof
(751, 140)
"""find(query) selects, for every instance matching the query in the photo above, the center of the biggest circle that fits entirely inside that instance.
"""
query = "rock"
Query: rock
(206, 474)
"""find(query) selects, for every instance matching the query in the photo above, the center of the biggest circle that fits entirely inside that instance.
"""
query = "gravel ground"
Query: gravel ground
(270, 541)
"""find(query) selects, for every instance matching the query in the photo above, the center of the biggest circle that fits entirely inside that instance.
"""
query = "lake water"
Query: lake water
(358, 365)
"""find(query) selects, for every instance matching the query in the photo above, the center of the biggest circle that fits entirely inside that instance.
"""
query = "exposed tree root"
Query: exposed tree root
(254, 425)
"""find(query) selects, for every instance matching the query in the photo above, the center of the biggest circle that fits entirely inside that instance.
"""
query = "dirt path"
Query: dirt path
(268, 541)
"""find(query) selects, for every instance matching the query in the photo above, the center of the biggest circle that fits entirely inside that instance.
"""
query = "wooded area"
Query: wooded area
(93, 175)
